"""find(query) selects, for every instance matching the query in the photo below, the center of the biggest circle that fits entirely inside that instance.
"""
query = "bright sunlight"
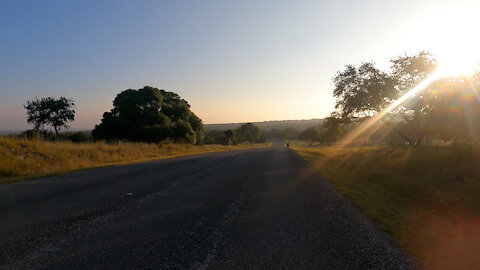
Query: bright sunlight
(458, 63)
(457, 47)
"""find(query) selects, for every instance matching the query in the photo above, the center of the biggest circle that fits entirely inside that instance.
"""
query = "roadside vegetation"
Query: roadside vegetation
(427, 197)
(412, 103)
(144, 124)
(404, 146)
(22, 159)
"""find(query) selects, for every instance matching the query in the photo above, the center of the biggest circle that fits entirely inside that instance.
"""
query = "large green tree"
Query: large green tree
(150, 114)
(448, 108)
(362, 92)
(407, 72)
(410, 70)
(50, 111)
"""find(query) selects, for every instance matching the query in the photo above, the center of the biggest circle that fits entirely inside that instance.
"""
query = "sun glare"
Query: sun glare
(370, 123)
(458, 65)
(458, 53)
(459, 62)
(452, 40)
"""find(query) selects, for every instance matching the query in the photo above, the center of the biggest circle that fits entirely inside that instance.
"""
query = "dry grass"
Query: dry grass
(427, 197)
(26, 159)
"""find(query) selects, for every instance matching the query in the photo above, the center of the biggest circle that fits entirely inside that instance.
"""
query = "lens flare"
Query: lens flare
(461, 62)
(365, 126)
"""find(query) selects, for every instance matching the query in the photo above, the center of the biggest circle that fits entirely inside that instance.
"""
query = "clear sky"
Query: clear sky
(233, 61)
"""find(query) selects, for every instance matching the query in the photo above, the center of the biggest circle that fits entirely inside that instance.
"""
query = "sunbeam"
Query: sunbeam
(365, 126)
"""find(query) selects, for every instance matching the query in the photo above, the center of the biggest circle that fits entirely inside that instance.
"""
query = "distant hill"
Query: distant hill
(12, 132)
(265, 125)
(269, 125)
(8, 132)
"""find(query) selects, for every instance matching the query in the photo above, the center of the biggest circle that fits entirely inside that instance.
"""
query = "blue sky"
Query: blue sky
(233, 61)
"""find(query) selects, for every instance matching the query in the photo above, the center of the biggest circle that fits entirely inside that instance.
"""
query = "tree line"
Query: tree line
(235, 136)
(144, 115)
(247, 132)
(148, 115)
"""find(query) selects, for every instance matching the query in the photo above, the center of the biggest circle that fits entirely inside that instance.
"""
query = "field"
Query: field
(428, 198)
(26, 159)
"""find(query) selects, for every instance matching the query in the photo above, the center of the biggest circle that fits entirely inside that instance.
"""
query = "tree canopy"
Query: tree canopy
(150, 114)
(50, 111)
(363, 91)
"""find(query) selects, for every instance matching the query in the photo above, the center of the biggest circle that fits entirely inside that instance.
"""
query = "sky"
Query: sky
(233, 61)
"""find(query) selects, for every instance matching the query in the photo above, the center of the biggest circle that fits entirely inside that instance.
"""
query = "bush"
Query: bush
(37, 134)
(76, 137)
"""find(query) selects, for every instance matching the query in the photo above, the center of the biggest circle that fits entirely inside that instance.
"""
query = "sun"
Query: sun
(458, 54)
(453, 40)
(459, 58)
(457, 64)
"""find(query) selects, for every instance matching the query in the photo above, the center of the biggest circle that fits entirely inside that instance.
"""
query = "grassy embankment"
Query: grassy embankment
(417, 194)
(27, 159)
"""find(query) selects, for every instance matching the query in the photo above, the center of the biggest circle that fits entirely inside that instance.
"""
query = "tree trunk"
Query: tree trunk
(419, 140)
(406, 138)
(56, 133)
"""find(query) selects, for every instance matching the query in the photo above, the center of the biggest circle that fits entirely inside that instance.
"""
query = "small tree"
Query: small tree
(229, 135)
(50, 111)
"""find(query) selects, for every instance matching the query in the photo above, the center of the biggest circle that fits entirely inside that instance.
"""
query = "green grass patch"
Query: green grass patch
(416, 194)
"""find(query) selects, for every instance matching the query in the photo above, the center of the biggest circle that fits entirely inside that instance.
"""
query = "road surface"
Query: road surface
(247, 209)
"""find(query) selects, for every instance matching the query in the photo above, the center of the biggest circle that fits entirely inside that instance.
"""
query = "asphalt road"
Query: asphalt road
(247, 209)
